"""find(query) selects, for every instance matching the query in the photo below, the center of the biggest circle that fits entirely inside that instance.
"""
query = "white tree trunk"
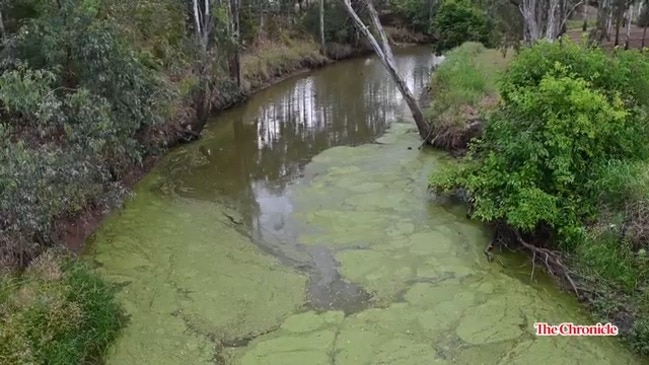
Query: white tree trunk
(609, 19)
(388, 62)
(374, 16)
(197, 20)
(628, 25)
(2, 29)
(551, 25)
(323, 47)
(528, 9)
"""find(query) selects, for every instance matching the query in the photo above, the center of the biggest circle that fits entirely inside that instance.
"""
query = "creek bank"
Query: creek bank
(74, 231)
(462, 93)
(592, 272)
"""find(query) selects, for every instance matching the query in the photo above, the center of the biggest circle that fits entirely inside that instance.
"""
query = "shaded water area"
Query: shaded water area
(298, 231)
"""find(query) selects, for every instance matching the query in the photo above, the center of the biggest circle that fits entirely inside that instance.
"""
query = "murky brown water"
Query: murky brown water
(298, 231)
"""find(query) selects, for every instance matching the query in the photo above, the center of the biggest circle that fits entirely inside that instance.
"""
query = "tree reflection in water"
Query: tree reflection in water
(257, 149)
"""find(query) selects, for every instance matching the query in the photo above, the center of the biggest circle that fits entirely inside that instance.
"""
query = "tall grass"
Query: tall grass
(270, 59)
(465, 82)
(59, 312)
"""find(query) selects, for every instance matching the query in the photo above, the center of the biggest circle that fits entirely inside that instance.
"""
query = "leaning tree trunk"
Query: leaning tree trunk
(384, 52)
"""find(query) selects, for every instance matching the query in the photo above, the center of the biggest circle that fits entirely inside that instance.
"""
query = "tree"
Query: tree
(643, 21)
(629, 19)
(458, 21)
(544, 18)
(384, 52)
(322, 25)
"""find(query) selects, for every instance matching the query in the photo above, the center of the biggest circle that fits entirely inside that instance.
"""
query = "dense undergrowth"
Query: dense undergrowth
(561, 166)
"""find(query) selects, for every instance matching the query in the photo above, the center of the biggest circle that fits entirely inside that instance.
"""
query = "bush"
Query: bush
(458, 21)
(564, 119)
(74, 100)
(58, 313)
(417, 15)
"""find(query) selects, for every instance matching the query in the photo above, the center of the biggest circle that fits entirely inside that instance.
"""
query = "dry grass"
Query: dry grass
(635, 36)
(271, 59)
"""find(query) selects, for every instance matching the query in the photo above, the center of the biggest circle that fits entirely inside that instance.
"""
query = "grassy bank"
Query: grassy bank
(464, 91)
(560, 167)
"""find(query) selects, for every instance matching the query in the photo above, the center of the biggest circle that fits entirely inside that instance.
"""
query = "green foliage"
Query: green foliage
(640, 336)
(459, 21)
(625, 73)
(415, 14)
(338, 27)
(459, 80)
(74, 98)
(463, 89)
(564, 119)
(59, 312)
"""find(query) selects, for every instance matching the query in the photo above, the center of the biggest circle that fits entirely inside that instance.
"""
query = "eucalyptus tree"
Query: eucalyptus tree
(545, 19)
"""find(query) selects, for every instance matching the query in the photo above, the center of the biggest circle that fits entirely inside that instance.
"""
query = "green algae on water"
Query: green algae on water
(436, 301)
(191, 280)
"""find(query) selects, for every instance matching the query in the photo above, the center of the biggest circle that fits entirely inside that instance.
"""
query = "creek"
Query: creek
(298, 231)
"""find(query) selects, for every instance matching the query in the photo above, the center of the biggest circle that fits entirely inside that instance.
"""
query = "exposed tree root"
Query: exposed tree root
(505, 235)
(551, 259)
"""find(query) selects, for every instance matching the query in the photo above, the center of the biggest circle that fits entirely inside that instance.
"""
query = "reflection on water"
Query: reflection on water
(250, 154)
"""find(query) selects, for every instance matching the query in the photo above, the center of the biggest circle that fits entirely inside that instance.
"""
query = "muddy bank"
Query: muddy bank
(293, 233)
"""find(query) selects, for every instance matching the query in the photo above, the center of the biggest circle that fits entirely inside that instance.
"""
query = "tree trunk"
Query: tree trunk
(618, 21)
(628, 26)
(235, 71)
(197, 20)
(584, 15)
(644, 33)
(323, 46)
(609, 20)
(551, 25)
(378, 28)
(384, 53)
(3, 32)
(529, 9)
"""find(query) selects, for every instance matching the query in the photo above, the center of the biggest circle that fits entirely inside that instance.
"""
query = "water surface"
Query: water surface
(298, 231)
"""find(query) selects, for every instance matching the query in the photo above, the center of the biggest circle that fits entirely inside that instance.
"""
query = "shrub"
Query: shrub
(74, 98)
(59, 312)
(415, 14)
(564, 119)
(458, 21)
